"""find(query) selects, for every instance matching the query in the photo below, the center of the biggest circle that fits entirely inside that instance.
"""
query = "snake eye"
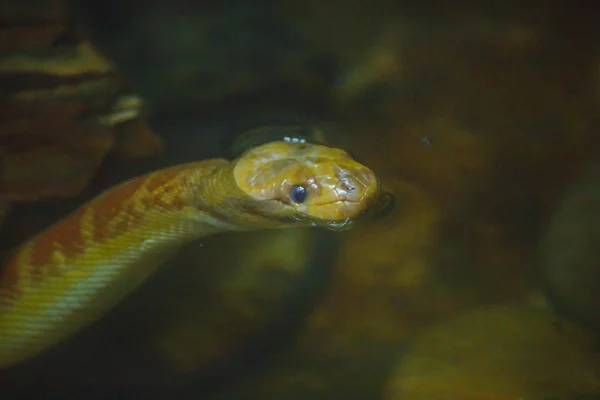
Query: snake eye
(298, 194)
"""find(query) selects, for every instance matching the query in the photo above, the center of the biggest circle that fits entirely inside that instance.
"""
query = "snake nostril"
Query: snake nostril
(347, 186)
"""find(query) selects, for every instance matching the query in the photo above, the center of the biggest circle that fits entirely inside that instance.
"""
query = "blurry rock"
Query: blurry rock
(569, 264)
(208, 323)
(133, 136)
(135, 139)
(82, 58)
(381, 64)
(63, 108)
(46, 172)
(48, 152)
(25, 38)
(34, 10)
(498, 353)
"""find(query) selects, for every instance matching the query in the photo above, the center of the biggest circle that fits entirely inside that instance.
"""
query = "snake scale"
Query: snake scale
(69, 275)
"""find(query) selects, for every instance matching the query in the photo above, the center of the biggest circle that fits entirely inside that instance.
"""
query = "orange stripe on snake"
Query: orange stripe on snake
(102, 219)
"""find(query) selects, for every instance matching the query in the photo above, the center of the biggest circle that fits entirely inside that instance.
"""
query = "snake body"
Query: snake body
(69, 275)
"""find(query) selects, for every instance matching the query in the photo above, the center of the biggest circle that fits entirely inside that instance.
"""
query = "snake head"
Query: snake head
(310, 183)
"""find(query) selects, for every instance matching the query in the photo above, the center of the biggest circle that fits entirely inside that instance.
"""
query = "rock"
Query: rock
(498, 353)
(569, 269)
(64, 107)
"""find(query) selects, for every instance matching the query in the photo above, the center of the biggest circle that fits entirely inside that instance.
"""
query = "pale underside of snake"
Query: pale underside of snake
(69, 275)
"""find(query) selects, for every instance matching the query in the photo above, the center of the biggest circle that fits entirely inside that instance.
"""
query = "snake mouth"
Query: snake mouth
(334, 215)
(384, 205)
(329, 224)
(340, 225)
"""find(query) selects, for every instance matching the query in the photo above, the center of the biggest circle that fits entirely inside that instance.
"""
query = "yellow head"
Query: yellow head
(319, 185)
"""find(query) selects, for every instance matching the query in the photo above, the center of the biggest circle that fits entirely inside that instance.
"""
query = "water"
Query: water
(444, 297)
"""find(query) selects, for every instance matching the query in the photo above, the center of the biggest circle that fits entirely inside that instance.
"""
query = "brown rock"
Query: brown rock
(498, 353)
(135, 139)
(206, 323)
(46, 172)
(569, 269)
(62, 104)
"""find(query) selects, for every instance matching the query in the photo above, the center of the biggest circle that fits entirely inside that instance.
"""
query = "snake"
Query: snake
(75, 271)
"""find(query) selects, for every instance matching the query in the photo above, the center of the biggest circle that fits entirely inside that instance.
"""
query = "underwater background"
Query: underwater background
(482, 281)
